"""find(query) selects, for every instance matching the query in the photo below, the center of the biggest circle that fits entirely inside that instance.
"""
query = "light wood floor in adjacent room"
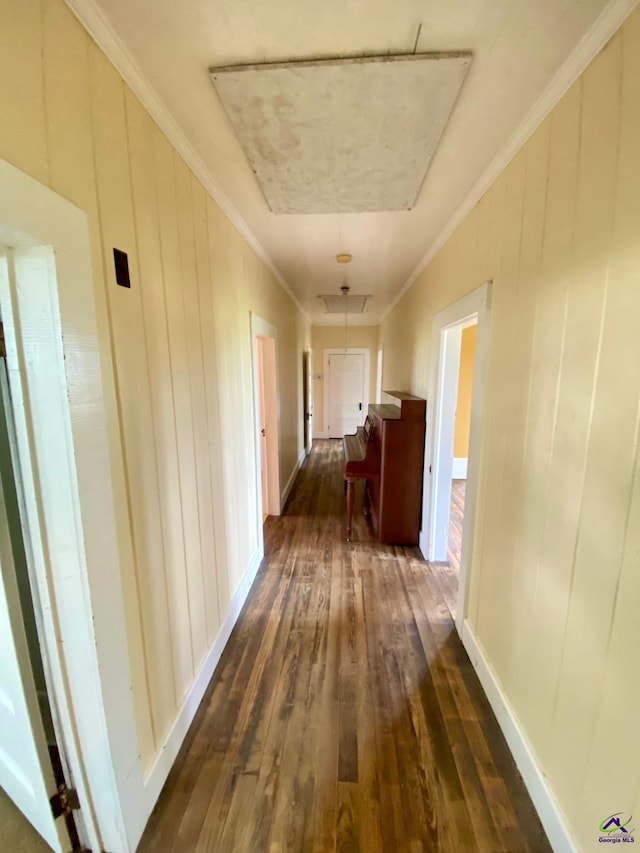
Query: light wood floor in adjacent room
(344, 714)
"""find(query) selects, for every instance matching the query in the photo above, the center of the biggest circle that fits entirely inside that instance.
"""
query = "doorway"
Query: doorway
(47, 303)
(455, 420)
(346, 390)
(307, 400)
(266, 405)
(379, 375)
(450, 485)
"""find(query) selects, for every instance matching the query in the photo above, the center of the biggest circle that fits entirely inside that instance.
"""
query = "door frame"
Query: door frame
(379, 365)
(307, 399)
(260, 328)
(475, 304)
(34, 762)
(58, 403)
(326, 353)
(445, 426)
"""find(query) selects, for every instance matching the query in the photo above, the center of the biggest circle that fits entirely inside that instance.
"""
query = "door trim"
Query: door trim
(477, 303)
(61, 428)
(326, 391)
(260, 328)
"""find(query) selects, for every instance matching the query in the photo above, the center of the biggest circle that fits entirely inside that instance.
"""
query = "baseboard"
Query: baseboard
(160, 770)
(321, 435)
(540, 792)
(287, 489)
(459, 468)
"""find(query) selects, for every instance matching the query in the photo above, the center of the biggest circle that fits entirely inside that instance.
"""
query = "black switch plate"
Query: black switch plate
(122, 268)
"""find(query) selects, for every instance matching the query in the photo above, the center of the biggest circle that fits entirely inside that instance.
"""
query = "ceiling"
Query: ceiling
(519, 47)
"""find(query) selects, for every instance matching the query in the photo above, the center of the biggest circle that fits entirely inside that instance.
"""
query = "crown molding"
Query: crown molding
(606, 25)
(101, 31)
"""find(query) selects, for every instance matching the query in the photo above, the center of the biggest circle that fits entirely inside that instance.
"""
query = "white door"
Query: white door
(25, 768)
(347, 393)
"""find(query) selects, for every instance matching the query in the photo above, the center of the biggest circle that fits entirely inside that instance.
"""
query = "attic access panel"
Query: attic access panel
(342, 135)
(339, 305)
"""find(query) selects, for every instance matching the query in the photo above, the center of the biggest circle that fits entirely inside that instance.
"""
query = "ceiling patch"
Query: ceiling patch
(342, 135)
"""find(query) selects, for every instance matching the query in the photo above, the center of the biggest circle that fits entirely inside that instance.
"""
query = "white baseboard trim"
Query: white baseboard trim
(321, 435)
(158, 774)
(459, 468)
(546, 805)
(287, 489)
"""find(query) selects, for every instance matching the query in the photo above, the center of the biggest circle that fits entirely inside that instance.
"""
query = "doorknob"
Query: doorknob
(263, 432)
(360, 406)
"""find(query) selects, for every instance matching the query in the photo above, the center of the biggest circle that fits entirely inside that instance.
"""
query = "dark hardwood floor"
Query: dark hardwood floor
(344, 714)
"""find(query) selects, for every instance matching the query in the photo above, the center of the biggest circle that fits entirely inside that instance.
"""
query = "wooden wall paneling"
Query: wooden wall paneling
(546, 355)
(500, 537)
(177, 336)
(23, 137)
(190, 414)
(208, 444)
(494, 437)
(612, 413)
(619, 366)
(65, 71)
(535, 197)
(142, 133)
(66, 50)
(125, 312)
(245, 461)
(225, 283)
(215, 400)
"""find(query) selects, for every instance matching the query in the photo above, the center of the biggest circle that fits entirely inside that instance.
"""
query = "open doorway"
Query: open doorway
(463, 391)
(266, 402)
(459, 347)
(307, 400)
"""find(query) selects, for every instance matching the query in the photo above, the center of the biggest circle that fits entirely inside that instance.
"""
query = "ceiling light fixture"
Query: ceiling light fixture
(344, 258)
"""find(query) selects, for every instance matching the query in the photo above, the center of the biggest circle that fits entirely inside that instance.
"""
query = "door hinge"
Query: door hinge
(429, 468)
(64, 801)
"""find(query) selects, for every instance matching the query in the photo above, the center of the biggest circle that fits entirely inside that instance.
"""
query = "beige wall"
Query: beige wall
(176, 347)
(333, 337)
(556, 566)
(465, 389)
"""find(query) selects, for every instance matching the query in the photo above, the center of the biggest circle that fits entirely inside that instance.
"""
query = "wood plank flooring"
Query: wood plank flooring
(456, 518)
(344, 714)
(449, 572)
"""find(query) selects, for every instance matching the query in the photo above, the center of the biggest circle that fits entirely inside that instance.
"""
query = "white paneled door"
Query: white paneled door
(25, 768)
(347, 393)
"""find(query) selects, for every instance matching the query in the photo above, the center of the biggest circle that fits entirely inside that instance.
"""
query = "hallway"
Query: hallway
(345, 714)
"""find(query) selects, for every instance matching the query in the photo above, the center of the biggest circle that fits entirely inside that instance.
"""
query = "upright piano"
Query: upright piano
(388, 452)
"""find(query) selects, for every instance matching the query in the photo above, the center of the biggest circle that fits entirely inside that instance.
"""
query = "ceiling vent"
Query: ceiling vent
(342, 135)
(353, 304)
